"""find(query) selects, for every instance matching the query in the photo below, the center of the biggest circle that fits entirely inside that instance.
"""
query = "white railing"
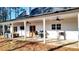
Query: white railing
(70, 35)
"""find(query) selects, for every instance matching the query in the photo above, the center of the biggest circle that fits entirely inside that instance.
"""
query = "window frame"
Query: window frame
(15, 30)
(56, 27)
(21, 27)
(53, 26)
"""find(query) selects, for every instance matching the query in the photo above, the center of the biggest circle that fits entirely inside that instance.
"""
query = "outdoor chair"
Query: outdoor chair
(61, 34)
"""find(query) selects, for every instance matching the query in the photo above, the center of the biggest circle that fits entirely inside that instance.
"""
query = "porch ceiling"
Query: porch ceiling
(63, 16)
(17, 23)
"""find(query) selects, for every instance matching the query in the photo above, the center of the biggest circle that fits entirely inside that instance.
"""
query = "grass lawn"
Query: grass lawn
(18, 45)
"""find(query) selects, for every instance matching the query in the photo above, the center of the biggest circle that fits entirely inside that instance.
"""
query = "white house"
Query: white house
(48, 25)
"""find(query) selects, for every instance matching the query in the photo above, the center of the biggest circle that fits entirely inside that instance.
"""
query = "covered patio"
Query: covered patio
(27, 28)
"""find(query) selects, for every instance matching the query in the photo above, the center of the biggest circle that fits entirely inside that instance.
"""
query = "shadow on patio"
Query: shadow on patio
(24, 45)
(63, 45)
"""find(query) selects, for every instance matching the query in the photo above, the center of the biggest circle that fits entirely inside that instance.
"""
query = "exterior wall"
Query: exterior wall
(68, 25)
(21, 32)
(38, 25)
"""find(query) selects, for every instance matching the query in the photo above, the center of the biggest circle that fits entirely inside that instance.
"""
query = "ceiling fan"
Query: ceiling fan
(58, 19)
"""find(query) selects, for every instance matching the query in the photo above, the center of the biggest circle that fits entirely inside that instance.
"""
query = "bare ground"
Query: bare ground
(18, 45)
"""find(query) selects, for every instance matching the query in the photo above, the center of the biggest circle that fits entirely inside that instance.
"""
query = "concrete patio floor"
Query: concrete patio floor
(37, 45)
(66, 43)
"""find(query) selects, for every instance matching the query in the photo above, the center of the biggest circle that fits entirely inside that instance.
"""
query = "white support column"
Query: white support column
(78, 29)
(25, 30)
(3, 30)
(44, 29)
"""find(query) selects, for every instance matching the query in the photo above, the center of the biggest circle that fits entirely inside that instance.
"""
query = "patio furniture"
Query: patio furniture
(7, 35)
(62, 34)
(42, 35)
(36, 32)
(32, 34)
(15, 35)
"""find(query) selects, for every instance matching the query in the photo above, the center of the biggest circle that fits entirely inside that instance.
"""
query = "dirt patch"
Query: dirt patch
(17, 45)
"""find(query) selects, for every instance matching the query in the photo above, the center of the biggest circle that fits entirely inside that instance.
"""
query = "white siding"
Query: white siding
(68, 25)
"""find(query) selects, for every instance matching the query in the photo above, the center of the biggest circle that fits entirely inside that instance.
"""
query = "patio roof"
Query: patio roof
(46, 14)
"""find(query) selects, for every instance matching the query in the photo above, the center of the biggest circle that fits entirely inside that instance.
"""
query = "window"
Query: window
(56, 26)
(15, 29)
(21, 27)
(53, 26)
